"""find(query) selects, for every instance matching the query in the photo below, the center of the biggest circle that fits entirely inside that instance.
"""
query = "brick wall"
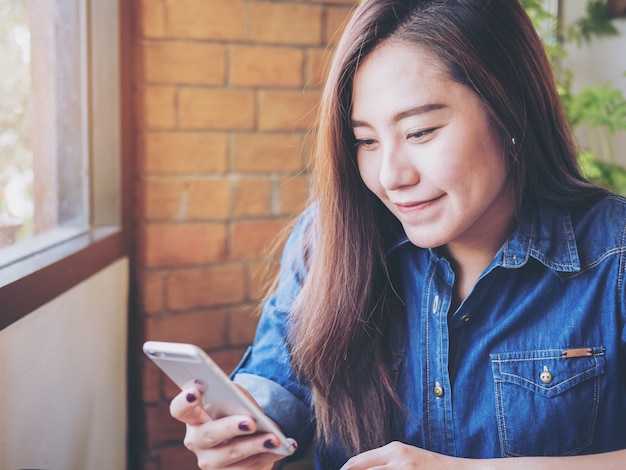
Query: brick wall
(226, 92)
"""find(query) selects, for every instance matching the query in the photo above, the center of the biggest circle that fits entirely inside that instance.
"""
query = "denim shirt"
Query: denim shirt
(532, 363)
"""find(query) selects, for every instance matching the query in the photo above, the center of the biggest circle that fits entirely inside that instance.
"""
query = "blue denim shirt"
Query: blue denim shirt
(533, 362)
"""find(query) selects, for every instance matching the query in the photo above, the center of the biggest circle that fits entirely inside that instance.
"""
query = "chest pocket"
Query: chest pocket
(547, 400)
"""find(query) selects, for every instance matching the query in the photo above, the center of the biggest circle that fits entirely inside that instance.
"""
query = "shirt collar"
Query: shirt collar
(545, 234)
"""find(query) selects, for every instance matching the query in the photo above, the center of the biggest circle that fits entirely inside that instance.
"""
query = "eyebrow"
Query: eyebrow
(413, 111)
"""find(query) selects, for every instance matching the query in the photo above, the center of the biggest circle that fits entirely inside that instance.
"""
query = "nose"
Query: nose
(397, 168)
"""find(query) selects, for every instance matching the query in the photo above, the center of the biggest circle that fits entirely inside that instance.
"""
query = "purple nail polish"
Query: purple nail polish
(244, 426)
(269, 444)
(190, 397)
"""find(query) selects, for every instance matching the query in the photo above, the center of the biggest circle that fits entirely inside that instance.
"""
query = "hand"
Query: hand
(397, 455)
(227, 442)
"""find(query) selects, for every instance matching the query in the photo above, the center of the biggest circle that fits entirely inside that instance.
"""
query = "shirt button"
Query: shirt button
(466, 318)
(438, 390)
(546, 376)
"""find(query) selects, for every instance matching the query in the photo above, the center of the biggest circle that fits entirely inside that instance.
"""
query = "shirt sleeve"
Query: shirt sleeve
(266, 370)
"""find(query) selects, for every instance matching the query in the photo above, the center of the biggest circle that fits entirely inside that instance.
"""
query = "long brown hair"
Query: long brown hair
(343, 314)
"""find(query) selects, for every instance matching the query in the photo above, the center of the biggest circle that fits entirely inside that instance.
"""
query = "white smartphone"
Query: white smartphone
(189, 366)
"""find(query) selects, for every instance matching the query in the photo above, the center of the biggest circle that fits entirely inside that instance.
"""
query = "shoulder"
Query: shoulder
(298, 246)
(600, 230)
(301, 234)
(608, 216)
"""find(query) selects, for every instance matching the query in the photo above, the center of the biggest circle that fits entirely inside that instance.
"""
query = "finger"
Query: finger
(186, 407)
(264, 461)
(240, 452)
(214, 433)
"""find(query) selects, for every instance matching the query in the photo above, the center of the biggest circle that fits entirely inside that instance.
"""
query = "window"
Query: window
(61, 141)
(15, 154)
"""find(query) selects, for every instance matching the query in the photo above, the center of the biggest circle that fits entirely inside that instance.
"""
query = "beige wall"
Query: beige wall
(63, 379)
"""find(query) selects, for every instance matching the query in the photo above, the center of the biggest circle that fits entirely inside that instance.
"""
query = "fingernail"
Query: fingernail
(191, 397)
(244, 426)
(269, 444)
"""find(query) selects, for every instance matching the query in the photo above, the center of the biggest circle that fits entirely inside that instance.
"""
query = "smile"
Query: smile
(415, 206)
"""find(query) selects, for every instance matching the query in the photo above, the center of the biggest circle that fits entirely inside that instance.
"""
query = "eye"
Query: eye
(418, 135)
(364, 143)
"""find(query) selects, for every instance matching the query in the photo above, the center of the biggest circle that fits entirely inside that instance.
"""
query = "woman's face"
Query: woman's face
(427, 149)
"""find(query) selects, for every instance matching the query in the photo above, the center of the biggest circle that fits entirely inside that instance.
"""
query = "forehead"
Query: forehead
(397, 71)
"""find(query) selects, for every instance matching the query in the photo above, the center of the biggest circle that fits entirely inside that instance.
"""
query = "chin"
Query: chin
(425, 241)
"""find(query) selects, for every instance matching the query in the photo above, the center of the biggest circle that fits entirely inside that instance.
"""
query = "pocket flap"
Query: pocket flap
(548, 372)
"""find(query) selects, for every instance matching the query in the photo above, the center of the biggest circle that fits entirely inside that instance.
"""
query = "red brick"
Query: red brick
(161, 428)
(151, 377)
(206, 329)
(183, 244)
(218, 108)
(156, 108)
(242, 325)
(207, 19)
(228, 359)
(179, 62)
(161, 199)
(152, 292)
(151, 18)
(285, 23)
(335, 19)
(287, 110)
(208, 199)
(266, 66)
(260, 153)
(178, 457)
(252, 197)
(254, 239)
(294, 194)
(182, 152)
(317, 63)
(208, 287)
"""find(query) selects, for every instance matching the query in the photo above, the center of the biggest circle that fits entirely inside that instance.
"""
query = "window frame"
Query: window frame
(51, 269)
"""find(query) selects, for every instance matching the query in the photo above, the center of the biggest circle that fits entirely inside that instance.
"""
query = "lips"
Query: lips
(411, 204)
(408, 207)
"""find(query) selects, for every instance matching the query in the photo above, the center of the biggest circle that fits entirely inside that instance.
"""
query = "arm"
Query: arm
(398, 455)
(266, 370)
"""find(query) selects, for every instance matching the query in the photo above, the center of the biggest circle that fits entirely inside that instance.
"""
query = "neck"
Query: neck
(469, 260)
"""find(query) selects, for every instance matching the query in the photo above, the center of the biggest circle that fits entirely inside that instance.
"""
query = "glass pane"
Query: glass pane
(44, 170)
(16, 158)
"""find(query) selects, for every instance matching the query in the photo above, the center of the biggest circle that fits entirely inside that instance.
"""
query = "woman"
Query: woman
(456, 288)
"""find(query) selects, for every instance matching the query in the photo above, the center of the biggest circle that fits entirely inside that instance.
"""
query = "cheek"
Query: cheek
(369, 172)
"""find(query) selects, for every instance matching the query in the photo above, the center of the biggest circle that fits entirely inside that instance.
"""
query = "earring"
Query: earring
(513, 141)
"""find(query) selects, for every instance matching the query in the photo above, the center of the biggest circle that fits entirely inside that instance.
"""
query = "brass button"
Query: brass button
(546, 376)
(438, 390)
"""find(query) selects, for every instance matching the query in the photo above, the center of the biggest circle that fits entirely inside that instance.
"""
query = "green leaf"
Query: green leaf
(606, 174)
(597, 22)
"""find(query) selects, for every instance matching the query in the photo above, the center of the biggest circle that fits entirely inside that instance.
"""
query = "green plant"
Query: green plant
(599, 108)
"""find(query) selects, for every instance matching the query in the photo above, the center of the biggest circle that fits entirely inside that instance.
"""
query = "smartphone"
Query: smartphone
(189, 366)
